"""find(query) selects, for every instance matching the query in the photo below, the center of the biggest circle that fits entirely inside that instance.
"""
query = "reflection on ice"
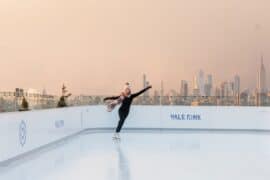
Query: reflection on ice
(123, 164)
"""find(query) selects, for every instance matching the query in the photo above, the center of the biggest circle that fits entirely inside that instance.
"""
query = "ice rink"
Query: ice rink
(187, 155)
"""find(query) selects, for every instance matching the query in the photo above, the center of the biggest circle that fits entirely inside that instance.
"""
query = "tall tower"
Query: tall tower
(184, 88)
(262, 87)
(162, 89)
(236, 90)
(144, 80)
(210, 80)
(208, 85)
(162, 98)
(201, 83)
(196, 87)
(236, 85)
(198, 84)
(145, 84)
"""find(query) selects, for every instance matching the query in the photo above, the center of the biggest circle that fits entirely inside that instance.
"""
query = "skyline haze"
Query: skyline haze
(94, 47)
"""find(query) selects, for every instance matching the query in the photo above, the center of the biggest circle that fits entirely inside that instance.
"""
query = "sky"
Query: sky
(95, 46)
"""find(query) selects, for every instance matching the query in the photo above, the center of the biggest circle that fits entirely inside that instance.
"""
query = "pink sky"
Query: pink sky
(95, 46)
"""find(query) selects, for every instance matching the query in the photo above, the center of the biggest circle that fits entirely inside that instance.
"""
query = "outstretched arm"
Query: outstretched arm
(140, 92)
(111, 98)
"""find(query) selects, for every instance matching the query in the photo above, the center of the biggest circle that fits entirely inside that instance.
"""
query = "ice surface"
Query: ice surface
(147, 156)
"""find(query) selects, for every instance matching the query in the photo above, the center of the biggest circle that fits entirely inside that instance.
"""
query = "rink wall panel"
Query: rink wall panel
(22, 132)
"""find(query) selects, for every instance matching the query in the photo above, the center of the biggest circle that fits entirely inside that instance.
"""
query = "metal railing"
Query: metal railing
(9, 105)
(183, 100)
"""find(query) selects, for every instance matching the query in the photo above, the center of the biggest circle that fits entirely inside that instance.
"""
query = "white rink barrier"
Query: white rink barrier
(183, 117)
(22, 132)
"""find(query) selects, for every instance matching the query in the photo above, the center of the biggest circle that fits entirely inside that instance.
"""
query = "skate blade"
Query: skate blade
(116, 138)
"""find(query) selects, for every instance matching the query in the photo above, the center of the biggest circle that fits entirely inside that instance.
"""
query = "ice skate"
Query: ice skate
(116, 136)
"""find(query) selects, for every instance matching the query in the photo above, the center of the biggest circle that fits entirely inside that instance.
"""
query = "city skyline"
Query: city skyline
(201, 85)
(199, 80)
(94, 47)
(202, 92)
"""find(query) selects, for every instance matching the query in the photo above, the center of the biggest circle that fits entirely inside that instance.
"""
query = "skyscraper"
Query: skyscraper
(262, 86)
(145, 84)
(144, 80)
(208, 85)
(218, 92)
(184, 88)
(210, 80)
(196, 90)
(207, 89)
(230, 89)
(236, 90)
(227, 89)
(162, 89)
(201, 82)
(198, 84)
(162, 98)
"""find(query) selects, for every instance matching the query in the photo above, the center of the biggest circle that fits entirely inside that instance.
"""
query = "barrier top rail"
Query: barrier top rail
(40, 102)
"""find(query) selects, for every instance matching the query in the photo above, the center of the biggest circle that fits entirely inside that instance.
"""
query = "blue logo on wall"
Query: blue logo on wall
(22, 133)
(59, 124)
(186, 117)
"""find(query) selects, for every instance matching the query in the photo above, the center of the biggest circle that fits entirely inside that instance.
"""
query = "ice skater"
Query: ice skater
(125, 99)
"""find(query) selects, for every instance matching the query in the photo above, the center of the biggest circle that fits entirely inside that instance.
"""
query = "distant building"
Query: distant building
(196, 92)
(236, 85)
(262, 85)
(208, 89)
(261, 95)
(40, 100)
(35, 99)
(199, 83)
(244, 98)
(223, 89)
(156, 97)
(217, 92)
(196, 87)
(184, 88)
(162, 89)
(173, 97)
(145, 84)
(230, 89)
(227, 89)
(202, 86)
(208, 85)
(236, 90)
(209, 80)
